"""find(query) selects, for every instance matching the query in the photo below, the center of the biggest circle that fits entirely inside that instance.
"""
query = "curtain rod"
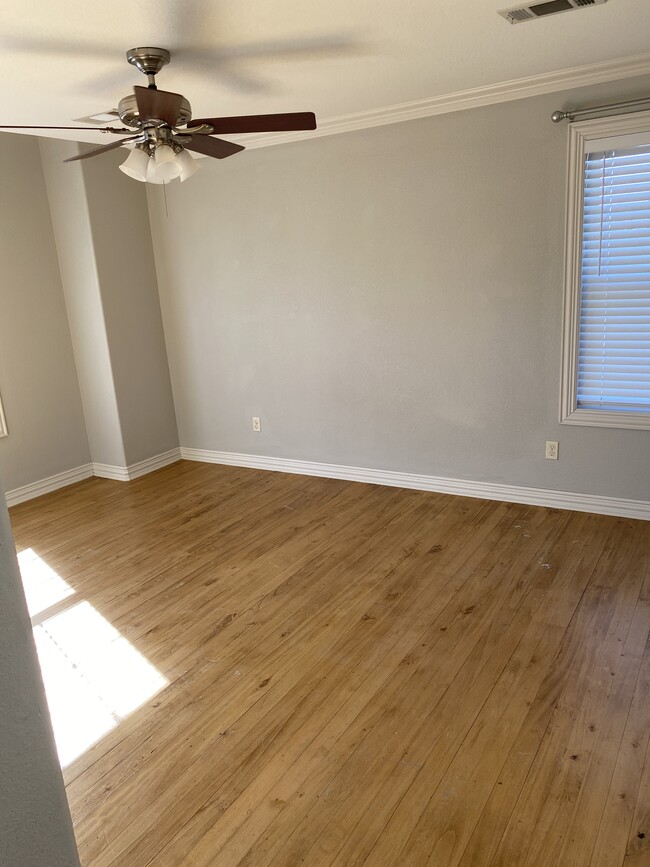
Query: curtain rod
(559, 116)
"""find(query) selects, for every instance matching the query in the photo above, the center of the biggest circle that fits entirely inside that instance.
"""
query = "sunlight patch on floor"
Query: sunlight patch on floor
(43, 587)
(93, 676)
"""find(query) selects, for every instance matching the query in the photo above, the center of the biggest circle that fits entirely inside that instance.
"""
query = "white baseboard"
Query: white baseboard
(103, 471)
(462, 487)
(157, 462)
(141, 468)
(111, 471)
(44, 486)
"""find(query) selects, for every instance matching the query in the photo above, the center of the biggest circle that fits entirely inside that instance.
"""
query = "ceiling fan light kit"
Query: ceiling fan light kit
(159, 124)
(167, 169)
(151, 177)
(188, 165)
(135, 165)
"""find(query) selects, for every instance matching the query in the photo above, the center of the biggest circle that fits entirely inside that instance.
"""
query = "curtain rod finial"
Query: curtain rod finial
(558, 116)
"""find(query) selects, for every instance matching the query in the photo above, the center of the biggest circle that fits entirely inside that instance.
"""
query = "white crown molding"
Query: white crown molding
(45, 486)
(503, 91)
(461, 487)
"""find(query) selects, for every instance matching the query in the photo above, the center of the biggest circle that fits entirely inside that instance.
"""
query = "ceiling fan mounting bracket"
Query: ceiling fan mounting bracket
(148, 60)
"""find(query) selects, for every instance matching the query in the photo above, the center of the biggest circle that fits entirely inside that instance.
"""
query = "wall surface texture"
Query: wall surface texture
(119, 217)
(389, 298)
(38, 380)
(74, 243)
(35, 826)
(103, 238)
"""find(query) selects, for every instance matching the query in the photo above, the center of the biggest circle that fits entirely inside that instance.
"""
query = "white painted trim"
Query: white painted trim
(503, 91)
(3, 421)
(572, 253)
(462, 487)
(157, 462)
(45, 486)
(581, 135)
(141, 468)
(111, 471)
(103, 471)
(608, 418)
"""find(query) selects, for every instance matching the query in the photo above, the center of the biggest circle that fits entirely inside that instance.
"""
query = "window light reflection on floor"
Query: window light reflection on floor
(93, 676)
(43, 587)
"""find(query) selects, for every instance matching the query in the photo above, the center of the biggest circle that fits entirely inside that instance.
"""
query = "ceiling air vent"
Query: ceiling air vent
(546, 7)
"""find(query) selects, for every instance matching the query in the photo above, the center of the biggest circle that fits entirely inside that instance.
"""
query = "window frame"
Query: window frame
(580, 134)
(3, 422)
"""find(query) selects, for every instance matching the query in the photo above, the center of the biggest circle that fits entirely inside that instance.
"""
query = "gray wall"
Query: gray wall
(75, 247)
(119, 217)
(38, 382)
(35, 826)
(390, 298)
(101, 224)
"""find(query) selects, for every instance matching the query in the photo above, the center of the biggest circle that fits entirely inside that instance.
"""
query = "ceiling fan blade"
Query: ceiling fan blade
(101, 150)
(259, 122)
(213, 147)
(158, 104)
(118, 131)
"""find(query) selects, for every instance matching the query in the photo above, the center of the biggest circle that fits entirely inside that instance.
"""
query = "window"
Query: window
(606, 355)
(3, 423)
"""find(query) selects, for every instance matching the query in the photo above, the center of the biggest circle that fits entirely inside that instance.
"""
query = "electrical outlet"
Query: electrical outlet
(552, 448)
(257, 424)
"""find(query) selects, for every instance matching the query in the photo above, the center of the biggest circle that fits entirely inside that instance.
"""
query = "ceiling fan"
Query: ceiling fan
(159, 123)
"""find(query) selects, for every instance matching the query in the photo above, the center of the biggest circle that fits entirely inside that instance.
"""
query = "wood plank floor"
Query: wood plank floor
(358, 675)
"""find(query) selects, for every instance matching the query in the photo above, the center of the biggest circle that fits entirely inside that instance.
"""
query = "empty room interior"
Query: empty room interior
(325, 434)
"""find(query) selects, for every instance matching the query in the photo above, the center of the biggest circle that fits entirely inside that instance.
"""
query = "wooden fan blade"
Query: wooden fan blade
(158, 105)
(117, 130)
(213, 147)
(259, 122)
(101, 150)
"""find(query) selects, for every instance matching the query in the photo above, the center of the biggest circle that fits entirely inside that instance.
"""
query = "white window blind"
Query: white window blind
(614, 327)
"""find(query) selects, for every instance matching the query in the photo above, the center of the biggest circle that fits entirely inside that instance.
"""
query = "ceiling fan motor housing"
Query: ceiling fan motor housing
(130, 116)
(149, 61)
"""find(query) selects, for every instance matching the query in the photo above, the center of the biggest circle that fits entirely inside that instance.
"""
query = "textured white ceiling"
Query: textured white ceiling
(64, 60)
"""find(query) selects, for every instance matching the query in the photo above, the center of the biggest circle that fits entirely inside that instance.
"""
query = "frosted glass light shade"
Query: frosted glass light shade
(188, 165)
(152, 178)
(135, 165)
(167, 166)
